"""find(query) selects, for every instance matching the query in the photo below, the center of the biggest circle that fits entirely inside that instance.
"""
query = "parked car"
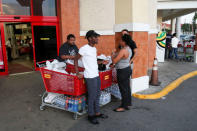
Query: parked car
(190, 38)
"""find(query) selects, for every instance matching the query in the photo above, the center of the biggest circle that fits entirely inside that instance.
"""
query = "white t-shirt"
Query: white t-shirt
(89, 59)
(8, 44)
(175, 42)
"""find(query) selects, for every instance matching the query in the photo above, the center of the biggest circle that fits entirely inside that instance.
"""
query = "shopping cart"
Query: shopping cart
(105, 76)
(180, 52)
(57, 82)
(189, 53)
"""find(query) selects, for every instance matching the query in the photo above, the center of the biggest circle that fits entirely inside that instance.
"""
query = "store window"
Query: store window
(44, 7)
(16, 7)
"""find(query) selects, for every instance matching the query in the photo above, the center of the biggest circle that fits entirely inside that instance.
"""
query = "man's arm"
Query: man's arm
(77, 57)
(64, 57)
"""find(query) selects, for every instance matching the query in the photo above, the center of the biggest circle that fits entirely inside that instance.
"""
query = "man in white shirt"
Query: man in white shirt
(88, 53)
(175, 42)
(9, 49)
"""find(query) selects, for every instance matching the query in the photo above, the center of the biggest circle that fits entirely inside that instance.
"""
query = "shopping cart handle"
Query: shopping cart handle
(40, 64)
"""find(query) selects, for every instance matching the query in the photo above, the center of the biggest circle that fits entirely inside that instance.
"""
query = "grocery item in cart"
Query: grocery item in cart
(105, 98)
(108, 58)
(80, 63)
(114, 90)
(114, 75)
(50, 96)
(56, 66)
(75, 104)
(59, 101)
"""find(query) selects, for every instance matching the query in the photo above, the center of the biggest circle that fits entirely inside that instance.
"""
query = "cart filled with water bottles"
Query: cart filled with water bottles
(65, 91)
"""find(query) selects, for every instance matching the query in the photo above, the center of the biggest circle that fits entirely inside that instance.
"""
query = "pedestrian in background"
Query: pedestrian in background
(175, 42)
(168, 48)
(9, 49)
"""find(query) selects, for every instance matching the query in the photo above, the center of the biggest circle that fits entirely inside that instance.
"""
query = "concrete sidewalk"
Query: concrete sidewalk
(169, 71)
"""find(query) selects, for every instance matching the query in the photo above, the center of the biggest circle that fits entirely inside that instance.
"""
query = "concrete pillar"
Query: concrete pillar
(173, 23)
(178, 27)
(152, 33)
(139, 28)
(159, 20)
(69, 22)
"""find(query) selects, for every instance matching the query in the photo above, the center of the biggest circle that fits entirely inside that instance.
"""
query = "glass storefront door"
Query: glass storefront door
(45, 42)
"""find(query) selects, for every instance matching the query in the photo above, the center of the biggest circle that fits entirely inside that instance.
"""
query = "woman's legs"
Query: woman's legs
(123, 77)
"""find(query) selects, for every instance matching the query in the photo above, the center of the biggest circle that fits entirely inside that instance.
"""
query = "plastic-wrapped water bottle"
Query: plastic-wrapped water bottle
(67, 103)
(80, 104)
(59, 101)
(76, 105)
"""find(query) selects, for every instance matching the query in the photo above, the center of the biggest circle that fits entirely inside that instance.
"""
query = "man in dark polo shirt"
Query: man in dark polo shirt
(68, 50)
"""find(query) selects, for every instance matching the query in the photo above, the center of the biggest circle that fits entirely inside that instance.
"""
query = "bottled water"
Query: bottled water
(105, 98)
(59, 101)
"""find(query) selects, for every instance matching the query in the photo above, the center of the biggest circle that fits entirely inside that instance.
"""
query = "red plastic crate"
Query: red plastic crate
(106, 79)
(61, 83)
(71, 68)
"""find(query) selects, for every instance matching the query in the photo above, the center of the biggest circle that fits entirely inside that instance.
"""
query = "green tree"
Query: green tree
(186, 28)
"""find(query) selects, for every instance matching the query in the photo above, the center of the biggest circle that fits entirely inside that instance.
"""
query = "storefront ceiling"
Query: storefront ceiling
(170, 14)
(169, 9)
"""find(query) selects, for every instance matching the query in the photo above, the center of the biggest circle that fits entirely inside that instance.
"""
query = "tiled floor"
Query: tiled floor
(20, 65)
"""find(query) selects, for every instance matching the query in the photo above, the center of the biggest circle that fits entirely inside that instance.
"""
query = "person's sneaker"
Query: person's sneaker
(93, 120)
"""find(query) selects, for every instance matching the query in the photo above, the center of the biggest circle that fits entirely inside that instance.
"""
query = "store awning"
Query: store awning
(170, 9)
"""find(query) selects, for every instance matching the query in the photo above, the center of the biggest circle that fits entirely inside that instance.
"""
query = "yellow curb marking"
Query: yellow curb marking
(168, 88)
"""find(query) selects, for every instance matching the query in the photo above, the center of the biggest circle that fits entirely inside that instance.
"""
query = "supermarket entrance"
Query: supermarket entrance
(19, 47)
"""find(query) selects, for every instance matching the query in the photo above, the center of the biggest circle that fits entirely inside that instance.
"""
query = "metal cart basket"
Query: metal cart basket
(61, 83)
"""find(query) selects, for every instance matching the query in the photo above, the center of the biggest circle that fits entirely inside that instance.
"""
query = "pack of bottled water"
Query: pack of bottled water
(105, 98)
(114, 90)
(59, 101)
(70, 103)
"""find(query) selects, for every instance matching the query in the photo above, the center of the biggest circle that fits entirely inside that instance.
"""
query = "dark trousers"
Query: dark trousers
(9, 52)
(94, 89)
(174, 50)
(123, 77)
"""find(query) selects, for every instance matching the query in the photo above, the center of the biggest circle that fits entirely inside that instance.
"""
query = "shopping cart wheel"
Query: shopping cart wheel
(41, 108)
(75, 116)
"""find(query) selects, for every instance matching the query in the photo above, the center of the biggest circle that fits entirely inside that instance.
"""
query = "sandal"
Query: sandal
(117, 109)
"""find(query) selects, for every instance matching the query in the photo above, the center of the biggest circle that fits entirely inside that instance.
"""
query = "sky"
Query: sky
(187, 18)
